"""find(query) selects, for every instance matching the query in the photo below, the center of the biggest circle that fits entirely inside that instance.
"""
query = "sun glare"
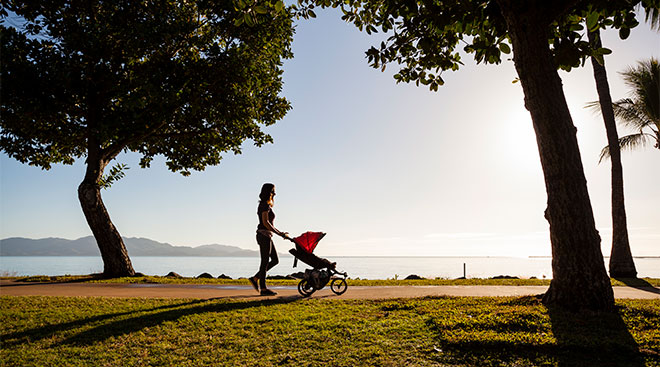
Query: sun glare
(519, 141)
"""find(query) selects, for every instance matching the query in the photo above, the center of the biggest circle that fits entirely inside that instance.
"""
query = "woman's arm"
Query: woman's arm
(269, 226)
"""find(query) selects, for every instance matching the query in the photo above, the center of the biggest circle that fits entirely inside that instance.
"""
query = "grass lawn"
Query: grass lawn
(61, 331)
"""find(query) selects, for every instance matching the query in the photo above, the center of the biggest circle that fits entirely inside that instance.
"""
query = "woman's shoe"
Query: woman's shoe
(255, 285)
(267, 292)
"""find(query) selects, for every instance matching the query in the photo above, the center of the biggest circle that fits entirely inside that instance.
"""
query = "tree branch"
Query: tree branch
(115, 148)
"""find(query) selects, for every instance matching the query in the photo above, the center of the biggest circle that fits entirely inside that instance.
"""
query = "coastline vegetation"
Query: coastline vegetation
(148, 279)
(443, 331)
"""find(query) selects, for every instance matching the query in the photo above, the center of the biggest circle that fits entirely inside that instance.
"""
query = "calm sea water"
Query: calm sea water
(356, 267)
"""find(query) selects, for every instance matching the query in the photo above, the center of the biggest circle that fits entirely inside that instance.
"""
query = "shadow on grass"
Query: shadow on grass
(61, 279)
(517, 336)
(640, 284)
(41, 279)
(596, 338)
(130, 325)
(48, 331)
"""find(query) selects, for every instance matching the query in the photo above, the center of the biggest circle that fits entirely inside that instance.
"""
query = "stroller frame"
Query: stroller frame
(317, 278)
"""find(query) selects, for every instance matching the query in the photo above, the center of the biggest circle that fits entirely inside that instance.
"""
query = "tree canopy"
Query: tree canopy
(184, 80)
(427, 38)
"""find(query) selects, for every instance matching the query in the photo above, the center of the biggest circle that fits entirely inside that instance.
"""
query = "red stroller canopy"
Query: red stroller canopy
(308, 240)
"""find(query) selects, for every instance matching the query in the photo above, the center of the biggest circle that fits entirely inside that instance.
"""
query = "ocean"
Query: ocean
(356, 267)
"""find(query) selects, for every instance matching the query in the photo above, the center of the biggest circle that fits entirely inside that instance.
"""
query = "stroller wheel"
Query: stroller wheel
(304, 288)
(338, 286)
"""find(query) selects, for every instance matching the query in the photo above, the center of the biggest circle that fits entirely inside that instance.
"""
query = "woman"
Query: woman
(265, 231)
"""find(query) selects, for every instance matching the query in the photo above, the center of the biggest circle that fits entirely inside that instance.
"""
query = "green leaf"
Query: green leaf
(576, 27)
(311, 13)
(603, 51)
(624, 33)
(116, 173)
(592, 21)
(259, 9)
(505, 48)
(599, 58)
(248, 20)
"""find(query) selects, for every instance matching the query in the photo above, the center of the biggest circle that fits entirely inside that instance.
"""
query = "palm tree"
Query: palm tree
(641, 111)
(621, 260)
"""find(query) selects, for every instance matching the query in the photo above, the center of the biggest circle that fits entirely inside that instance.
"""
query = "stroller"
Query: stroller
(323, 270)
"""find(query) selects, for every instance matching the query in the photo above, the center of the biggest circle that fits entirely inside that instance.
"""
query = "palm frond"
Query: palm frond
(653, 18)
(604, 154)
(628, 142)
(633, 141)
(644, 80)
(630, 114)
(594, 106)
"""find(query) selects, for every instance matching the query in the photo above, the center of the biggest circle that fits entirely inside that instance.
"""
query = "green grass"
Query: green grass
(62, 331)
(351, 282)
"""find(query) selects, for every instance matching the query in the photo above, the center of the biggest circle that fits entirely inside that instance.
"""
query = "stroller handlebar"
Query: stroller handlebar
(344, 274)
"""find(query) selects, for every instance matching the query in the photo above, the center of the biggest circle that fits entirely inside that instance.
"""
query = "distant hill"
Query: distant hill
(86, 246)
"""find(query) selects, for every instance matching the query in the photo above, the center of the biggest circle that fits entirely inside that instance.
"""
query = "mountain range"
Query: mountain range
(86, 246)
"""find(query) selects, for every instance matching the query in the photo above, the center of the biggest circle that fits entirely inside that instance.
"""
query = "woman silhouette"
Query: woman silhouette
(265, 231)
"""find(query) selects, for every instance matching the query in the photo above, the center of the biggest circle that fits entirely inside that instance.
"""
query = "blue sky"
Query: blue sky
(384, 169)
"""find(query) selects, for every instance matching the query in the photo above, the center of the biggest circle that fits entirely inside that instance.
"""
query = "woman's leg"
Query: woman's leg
(274, 260)
(265, 245)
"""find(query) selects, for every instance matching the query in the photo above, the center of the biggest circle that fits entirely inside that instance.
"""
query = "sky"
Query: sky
(384, 169)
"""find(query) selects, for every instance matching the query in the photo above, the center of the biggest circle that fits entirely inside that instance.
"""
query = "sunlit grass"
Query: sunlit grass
(445, 331)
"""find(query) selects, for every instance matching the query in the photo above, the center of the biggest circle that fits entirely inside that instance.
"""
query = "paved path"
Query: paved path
(200, 291)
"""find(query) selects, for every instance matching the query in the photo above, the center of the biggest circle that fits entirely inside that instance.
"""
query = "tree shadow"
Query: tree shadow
(42, 279)
(524, 336)
(47, 331)
(599, 337)
(62, 279)
(130, 325)
(640, 284)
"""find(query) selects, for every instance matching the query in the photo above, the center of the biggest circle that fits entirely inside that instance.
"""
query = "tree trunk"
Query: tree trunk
(621, 260)
(116, 262)
(580, 280)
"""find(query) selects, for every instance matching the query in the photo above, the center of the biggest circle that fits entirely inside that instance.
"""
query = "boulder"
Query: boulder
(504, 277)
(205, 275)
(223, 276)
(279, 277)
(298, 275)
(413, 277)
(172, 274)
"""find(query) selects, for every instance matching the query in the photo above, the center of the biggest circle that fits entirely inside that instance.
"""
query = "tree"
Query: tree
(188, 81)
(621, 260)
(424, 36)
(641, 111)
